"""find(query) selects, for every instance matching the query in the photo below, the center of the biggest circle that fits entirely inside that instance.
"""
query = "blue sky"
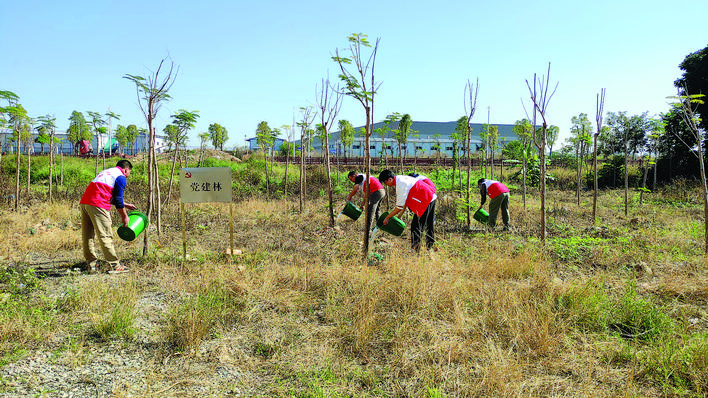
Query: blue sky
(244, 62)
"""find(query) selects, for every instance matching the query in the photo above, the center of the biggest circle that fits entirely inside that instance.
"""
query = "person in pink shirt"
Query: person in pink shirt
(105, 190)
(499, 199)
(375, 193)
(416, 193)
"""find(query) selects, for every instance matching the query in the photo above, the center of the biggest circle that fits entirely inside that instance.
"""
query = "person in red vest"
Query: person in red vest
(85, 148)
(498, 199)
(416, 193)
(376, 192)
(105, 190)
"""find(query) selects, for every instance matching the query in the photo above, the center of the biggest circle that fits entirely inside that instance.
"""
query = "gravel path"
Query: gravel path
(136, 367)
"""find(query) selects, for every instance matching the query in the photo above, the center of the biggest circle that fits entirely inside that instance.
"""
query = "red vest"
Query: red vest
(420, 196)
(100, 191)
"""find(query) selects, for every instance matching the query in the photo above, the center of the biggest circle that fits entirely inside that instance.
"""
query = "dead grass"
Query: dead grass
(489, 314)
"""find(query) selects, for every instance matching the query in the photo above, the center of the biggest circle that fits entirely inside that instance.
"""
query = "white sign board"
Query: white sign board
(205, 184)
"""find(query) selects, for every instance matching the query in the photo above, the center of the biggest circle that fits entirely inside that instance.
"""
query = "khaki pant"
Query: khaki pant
(96, 221)
(500, 202)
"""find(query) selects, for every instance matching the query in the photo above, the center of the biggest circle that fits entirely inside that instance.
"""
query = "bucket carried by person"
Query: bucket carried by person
(481, 215)
(137, 222)
(352, 211)
(394, 227)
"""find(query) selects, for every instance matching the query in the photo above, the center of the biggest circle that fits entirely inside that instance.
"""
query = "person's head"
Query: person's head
(387, 177)
(125, 165)
(480, 181)
(358, 179)
(352, 175)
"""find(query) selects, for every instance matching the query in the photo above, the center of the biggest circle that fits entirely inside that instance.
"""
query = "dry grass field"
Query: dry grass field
(612, 308)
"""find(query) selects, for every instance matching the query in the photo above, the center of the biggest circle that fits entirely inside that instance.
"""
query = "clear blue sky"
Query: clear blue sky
(244, 62)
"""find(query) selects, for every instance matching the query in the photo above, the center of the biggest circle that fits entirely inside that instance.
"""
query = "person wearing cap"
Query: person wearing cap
(418, 195)
(105, 190)
(375, 192)
(498, 199)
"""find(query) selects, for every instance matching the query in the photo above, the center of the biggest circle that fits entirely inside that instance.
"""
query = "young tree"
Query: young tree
(687, 104)
(695, 80)
(492, 144)
(182, 121)
(20, 124)
(109, 120)
(152, 92)
(329, 103)
(12, 100)
(79, 129)
(305, 122)
(402, 133)
(657, 132)
(631, 132)
(524, 130)
(581, 139)
(121, 137)
(357, 74)
(203, 137)
(346, 135)
(48, 127)
(264, 138)
(385, 129)
(551, 138)
(97, 122)
(540, 98)
(287, 148)
(219, 135)
(471, 101)
(437, 146)
(42, 136)
(132, 133)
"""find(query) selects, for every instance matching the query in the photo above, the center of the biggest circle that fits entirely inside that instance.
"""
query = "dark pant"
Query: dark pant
(427, 223)
(373, 204)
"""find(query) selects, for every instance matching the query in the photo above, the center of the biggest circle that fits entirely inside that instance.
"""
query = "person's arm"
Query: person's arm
(483, 192)
(117, 200)
(352, 193)
(395, 211)
(123, 215)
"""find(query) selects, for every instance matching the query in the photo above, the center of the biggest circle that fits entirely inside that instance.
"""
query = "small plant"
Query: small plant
(632, 317)
(194, 320)
(18, 280)
(111, 308)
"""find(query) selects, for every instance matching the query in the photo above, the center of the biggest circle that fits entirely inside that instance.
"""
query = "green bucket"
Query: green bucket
(394, 227)
(352, 211)
(137, 222)
(481, 215)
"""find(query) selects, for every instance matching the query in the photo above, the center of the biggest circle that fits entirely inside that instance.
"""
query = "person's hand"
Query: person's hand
(125, 221)
(129, 206)
(385, 221)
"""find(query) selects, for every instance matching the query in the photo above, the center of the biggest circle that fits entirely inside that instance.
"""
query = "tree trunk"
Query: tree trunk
(543, 184)
(17, 174)
(287, 161)
(595, 188)
(302, 170)
(367, 167)
(265, 160)
(577, 169)
(329, 181)
(29, 168)
(524, 171)
(626, 181)
(51, 165)
(172, 175)
(61, 169)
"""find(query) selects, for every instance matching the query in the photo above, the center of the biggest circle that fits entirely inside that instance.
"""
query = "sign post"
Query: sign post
(206, 184)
